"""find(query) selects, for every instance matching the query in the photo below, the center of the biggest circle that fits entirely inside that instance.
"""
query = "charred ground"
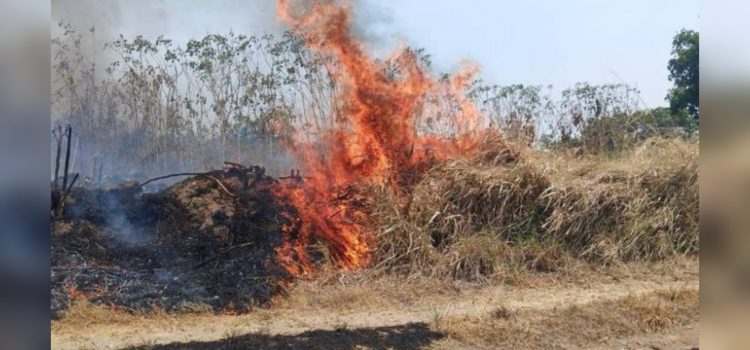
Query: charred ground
(207, 241)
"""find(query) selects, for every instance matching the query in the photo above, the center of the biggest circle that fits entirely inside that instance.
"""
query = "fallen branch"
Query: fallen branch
(221, 185)
(218, 182)
(236, 165)
(172, 175)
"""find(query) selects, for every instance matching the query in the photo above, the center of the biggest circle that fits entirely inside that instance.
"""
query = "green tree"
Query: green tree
(683, 71)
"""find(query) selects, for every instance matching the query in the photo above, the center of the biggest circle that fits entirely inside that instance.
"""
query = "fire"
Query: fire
(378, 142)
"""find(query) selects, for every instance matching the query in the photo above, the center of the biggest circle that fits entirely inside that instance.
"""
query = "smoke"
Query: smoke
(176, 19)
(100, 22)
(118, 221)
(179, 20)
(85, 14)
(370, 23)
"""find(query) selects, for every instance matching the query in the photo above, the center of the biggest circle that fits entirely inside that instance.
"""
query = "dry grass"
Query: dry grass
(512, 208)
(343, 292)
(338, 291)
(575, 325)
(639, 206)
(83, 313)
(352, 303)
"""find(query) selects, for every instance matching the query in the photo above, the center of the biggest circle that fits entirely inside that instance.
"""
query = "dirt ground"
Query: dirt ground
(392, 314)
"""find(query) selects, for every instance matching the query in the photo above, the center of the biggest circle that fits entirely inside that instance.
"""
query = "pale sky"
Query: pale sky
(530, 42)
(552, 42)
(725, 42)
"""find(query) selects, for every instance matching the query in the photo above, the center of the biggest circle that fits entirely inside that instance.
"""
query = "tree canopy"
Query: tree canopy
(683, 71)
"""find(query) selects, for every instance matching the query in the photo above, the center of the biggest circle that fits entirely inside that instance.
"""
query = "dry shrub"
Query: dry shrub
(462, 197)
(402, 245)
(495, 191)
(584, 217)
(511, 206)
(642, 205)
(472, 258)
(671, 205)
(461, 215)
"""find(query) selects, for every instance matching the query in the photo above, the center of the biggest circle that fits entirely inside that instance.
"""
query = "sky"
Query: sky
(725, 44)
(530, 42)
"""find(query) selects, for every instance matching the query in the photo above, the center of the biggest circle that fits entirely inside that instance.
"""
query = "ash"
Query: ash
(206, 242)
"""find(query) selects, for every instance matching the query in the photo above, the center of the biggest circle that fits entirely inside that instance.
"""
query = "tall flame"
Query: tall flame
(377, 143)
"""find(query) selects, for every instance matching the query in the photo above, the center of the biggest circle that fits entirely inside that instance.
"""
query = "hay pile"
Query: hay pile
(513, 207)
(204, 243)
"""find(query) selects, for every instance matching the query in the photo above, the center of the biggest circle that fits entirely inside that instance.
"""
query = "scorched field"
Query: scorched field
(316, 197)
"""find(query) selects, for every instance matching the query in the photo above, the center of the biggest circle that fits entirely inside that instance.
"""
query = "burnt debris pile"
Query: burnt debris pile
(208, 241)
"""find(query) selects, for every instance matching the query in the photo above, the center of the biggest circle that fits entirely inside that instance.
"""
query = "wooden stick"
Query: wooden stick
(237, 165)
(218, 182)
(172, 175)
(75, 154)
(69, 132)
(58, 139)
(65, 195)
(72, 182)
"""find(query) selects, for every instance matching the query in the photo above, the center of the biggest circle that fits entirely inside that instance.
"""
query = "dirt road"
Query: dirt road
(383, 321)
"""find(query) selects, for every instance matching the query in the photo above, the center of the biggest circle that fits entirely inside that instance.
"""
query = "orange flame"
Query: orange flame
(377, 142)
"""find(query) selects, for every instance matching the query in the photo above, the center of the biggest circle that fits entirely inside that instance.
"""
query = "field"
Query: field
(635, 310)
(422, 211)
(638, 307)
(495, 290)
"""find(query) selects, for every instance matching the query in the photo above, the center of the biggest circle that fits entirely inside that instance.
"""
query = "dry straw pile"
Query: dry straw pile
(512, 207)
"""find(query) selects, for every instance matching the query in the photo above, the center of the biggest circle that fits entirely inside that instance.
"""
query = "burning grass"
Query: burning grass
(381, 189)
